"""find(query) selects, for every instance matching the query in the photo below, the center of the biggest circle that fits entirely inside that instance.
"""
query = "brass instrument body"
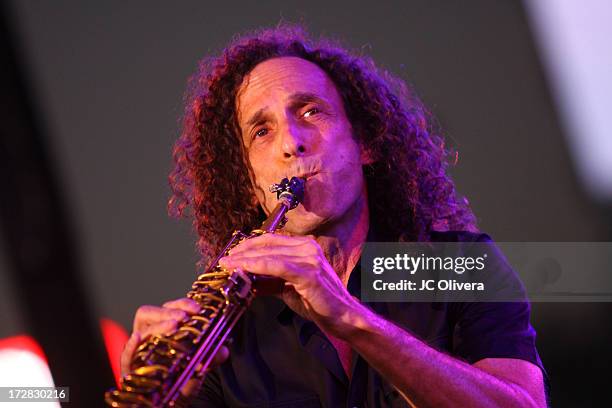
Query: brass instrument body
(163, 364)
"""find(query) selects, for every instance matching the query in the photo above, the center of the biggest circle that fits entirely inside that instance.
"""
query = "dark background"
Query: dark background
(103, 85)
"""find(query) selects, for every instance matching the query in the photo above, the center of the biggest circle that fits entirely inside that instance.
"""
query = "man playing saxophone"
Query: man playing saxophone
(277, 104)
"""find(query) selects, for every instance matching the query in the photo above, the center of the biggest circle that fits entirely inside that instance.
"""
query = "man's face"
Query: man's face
(293, 123)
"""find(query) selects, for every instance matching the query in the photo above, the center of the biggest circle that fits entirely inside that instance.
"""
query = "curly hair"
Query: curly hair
(210, 179)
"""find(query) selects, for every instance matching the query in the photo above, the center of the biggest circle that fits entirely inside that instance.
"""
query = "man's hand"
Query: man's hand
(153, 320)
(312, 288)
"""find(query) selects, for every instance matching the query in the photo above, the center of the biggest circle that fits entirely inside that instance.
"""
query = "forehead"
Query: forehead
(278, 77)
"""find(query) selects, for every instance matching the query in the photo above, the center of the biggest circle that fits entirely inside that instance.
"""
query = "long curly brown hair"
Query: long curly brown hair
(210, 180)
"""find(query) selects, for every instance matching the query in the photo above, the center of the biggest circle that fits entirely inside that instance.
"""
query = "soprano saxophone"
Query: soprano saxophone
(163, 364)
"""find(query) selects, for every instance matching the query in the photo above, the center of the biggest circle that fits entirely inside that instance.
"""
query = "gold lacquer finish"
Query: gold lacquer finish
(163, 364)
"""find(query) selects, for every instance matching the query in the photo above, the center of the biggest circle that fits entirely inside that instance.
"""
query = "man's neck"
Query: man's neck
(343, 241)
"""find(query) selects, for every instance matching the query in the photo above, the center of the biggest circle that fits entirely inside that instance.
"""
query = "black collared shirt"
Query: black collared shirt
(278, 359)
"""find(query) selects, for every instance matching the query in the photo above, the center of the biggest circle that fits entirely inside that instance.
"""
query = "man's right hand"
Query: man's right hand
(152, 320)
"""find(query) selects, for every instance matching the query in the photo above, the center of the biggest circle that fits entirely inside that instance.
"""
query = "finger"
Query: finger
(188, 305)
(147, 315)
(220, 357)
(128, 352)
(305, 249)
(288, 293)
(289, 268)
(293, 299)
(191, 387)
(166, 327)
(268, 240)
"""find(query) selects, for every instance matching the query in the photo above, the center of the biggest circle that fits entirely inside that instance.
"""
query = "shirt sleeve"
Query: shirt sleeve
(496, 329)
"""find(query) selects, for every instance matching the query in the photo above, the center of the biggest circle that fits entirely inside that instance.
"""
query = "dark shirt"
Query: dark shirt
(279, 359)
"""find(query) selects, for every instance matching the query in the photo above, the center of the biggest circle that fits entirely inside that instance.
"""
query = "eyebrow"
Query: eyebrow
(297, 100)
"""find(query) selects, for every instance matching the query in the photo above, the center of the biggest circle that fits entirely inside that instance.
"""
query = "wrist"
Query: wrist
(355, 320)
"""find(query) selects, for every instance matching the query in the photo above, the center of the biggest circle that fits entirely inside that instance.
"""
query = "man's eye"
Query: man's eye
(261, 132)
(310, 112)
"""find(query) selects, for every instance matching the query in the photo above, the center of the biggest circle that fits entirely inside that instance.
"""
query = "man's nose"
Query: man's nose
(293, 141)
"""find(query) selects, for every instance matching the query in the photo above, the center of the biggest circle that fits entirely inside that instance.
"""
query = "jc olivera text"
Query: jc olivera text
(428, 285)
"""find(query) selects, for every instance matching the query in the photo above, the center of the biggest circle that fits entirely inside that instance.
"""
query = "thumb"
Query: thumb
(128, 353)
